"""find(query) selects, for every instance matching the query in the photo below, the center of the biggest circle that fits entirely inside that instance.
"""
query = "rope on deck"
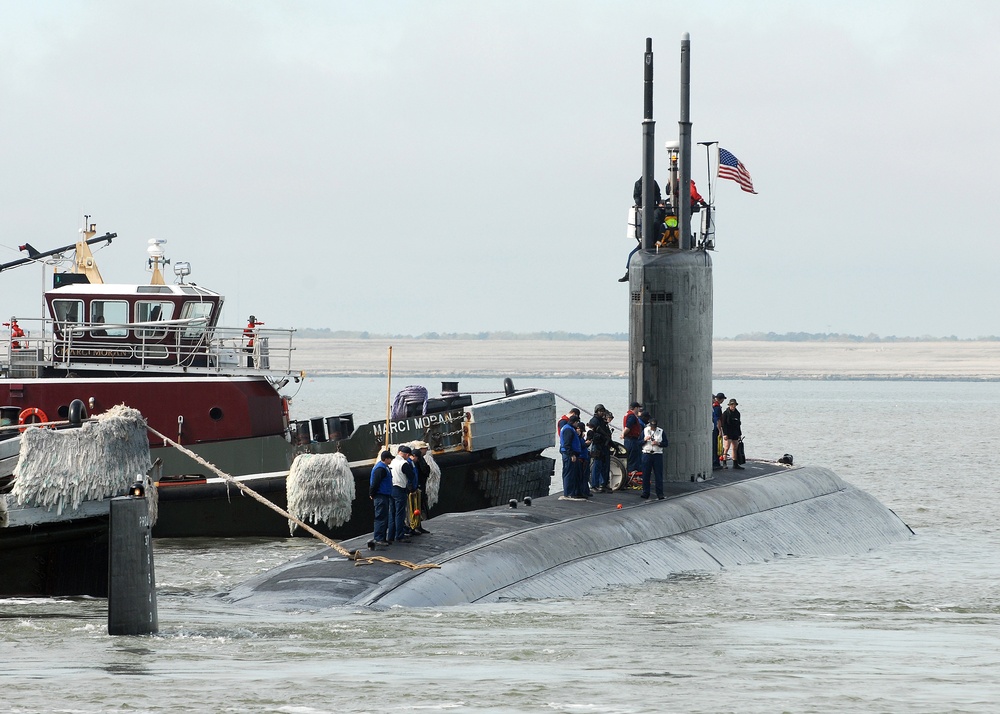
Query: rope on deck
(350, 555)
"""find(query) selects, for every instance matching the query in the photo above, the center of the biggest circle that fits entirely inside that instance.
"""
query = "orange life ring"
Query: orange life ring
(284, 411)
(36, 416)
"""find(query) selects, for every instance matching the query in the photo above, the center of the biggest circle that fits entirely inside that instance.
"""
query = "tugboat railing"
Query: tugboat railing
(175, 346)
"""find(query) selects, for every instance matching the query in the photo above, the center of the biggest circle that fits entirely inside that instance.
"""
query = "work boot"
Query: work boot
(624, 278)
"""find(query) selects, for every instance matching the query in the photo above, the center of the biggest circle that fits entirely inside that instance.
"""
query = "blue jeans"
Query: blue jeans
(397, 520)
(569, 475)
(652, 466)
(383, 504)
(628, 260)
(600, 470)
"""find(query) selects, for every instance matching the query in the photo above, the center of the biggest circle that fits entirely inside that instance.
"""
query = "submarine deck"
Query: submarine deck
(566, 548)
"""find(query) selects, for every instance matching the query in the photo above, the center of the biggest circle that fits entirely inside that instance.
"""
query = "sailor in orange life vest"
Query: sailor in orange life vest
(249, 333)
(15, 332)
(632, 426)
(697, 201)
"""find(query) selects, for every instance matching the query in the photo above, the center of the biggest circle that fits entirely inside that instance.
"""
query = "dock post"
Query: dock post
(131, 580)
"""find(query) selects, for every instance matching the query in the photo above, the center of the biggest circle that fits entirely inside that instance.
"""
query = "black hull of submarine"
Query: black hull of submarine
(567, 549)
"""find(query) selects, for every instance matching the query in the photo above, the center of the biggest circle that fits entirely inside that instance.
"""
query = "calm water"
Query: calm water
(912, 628)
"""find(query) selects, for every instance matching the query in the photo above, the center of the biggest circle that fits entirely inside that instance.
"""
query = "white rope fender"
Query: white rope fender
(59, 470)
(433, 486)
(320, 488)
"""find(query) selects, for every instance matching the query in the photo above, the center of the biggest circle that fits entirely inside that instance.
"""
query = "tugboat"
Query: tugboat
(159, 348)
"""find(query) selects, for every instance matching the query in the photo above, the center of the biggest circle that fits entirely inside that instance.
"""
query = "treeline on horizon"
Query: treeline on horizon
(500, 335)
(845, 337)
(561, 336)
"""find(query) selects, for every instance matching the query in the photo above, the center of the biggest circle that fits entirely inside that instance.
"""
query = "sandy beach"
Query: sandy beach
(732, 359)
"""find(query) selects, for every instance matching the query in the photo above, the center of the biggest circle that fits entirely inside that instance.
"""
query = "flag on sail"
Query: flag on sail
(732, 168)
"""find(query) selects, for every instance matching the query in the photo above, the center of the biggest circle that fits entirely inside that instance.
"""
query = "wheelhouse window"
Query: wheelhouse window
(67, 314)
(200, 311)
(109, 312)
(147, 311)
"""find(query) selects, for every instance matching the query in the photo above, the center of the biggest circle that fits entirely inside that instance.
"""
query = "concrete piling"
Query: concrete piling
(131, 580)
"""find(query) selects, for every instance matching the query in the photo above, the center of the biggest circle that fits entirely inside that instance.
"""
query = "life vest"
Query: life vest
(695, 196)
(563, 421)
(631, 432)
(670, 231)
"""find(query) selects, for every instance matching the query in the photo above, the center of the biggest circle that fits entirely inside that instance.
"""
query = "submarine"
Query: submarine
(552, 547)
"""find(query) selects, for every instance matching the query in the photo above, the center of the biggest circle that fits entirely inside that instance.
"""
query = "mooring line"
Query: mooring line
(350, 555)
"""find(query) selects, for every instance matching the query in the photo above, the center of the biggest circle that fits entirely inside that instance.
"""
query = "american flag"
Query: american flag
(732, 168)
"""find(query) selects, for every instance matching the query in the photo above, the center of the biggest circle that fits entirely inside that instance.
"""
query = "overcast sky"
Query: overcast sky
(468, 166)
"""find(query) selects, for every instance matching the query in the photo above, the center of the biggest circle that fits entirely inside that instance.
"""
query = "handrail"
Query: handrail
(187, 345)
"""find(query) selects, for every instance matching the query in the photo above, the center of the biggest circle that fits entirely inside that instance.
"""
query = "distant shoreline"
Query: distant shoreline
(309, 333)
(945, 361)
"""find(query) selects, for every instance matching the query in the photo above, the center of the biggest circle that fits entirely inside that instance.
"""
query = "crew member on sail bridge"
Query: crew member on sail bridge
(249, 332)
(15, 332)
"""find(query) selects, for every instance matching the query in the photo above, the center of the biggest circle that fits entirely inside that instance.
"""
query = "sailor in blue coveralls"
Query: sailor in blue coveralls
(380, 491)
(567, 447)
(582, 462)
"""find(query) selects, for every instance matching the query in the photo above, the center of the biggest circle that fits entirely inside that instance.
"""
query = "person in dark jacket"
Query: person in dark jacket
(380, 492)
(600, 450)
(716, 433)
(581, 446)
(637, 193)
(658, 214)
(732, 432)
(423, 472)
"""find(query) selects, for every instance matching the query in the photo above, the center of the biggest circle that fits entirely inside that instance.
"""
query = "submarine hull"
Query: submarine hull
(566, 549)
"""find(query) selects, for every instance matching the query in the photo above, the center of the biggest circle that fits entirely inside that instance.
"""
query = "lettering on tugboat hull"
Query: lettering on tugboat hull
(62, 352)
(414, 423)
